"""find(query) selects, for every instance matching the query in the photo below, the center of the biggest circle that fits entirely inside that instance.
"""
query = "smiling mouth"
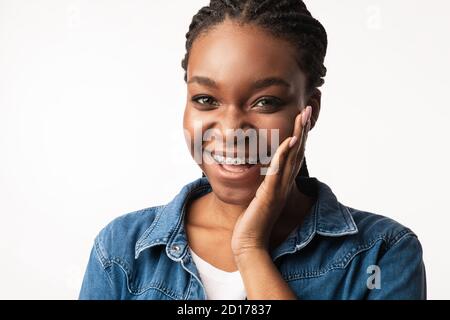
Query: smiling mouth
(233, 165)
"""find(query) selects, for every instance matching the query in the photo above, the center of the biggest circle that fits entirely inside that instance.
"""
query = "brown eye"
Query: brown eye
(205, 101)
(269, 104)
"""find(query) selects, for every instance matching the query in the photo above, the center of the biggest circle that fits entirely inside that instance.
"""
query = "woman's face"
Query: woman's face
(226, 91)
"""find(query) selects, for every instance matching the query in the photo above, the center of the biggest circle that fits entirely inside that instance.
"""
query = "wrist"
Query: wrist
(251, 255)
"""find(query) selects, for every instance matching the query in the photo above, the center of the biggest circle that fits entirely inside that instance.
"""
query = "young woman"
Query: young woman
(249, 228)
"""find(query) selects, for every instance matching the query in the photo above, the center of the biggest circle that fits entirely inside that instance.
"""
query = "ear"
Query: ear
(314, 101)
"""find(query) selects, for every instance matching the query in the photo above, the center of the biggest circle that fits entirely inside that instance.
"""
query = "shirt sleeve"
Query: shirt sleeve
(97, 284)
(401, 272)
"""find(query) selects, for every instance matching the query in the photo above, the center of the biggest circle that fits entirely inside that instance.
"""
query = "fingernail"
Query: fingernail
(293, 141)
(306, 115)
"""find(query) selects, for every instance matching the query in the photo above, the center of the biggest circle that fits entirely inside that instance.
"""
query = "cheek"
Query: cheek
(195, 124)
(189, 128)
(283, 125)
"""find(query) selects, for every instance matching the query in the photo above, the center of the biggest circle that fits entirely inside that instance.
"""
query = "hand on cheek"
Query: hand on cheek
(253, 228)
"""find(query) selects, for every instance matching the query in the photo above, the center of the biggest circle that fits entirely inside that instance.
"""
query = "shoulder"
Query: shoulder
(361, 229)
(118, 239)
(374, 227)
(391, 250)
(379, 235)
(126, 236)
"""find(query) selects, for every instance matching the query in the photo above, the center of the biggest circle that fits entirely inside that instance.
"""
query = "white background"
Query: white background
(91, 103)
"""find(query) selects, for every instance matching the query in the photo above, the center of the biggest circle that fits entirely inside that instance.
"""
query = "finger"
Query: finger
(298, 126)
(301, 148)
(297, 135)
(279, 158)
(293, 166)
(286, 156)
(270, 185)
(300, 154)
(283, 160)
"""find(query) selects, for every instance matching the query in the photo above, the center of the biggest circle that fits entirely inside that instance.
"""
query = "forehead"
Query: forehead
(230, 51)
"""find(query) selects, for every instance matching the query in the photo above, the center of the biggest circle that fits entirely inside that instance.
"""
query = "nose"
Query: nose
(233, 119)
(238, 134)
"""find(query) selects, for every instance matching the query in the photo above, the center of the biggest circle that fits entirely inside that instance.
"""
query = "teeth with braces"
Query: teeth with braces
(233, 161)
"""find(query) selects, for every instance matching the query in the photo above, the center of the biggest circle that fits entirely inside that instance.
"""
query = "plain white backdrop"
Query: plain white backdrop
(91, 105)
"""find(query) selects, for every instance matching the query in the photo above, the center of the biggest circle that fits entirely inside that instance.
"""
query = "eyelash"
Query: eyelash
(275, 102)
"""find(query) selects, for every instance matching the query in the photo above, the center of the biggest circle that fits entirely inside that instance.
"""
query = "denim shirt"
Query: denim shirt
(337, 253)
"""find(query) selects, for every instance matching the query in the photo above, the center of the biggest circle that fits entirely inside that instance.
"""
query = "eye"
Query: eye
(205, 101)
(269, 104)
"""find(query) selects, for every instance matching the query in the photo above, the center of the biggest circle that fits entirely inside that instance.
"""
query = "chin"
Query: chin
(240, 192)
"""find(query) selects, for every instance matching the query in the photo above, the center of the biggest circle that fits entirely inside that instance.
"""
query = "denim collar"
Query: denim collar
(328, 217)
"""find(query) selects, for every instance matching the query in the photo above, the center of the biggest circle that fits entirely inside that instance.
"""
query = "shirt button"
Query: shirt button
(176, 248)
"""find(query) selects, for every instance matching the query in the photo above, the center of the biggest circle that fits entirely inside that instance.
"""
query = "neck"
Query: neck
(223, 214)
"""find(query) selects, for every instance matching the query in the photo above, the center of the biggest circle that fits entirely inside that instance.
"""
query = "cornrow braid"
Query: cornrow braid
(286, 19)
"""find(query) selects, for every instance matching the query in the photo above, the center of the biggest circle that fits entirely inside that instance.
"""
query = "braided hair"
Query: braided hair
(286, 19)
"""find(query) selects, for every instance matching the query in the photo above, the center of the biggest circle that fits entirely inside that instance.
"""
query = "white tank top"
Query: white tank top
(219, 284)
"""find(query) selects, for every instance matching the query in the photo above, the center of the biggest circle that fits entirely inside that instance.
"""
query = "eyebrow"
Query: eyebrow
(258, 84)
